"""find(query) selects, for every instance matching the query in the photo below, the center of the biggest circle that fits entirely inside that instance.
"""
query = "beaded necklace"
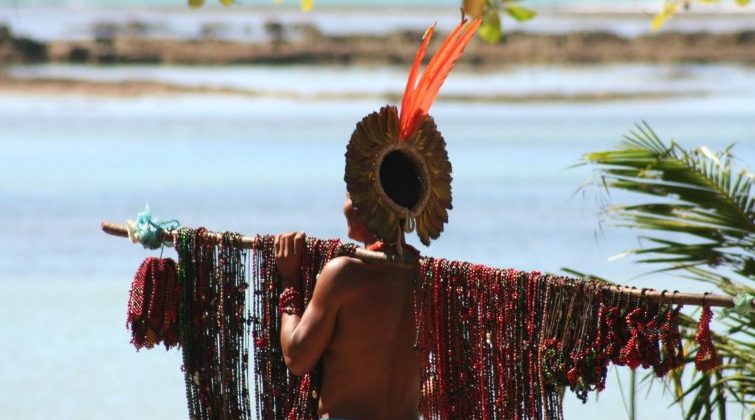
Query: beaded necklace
(213, 323)
(153, 306)
(500, 344)
(496, 343)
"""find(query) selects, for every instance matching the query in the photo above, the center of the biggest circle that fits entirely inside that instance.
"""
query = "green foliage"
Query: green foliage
(668, 11)
(490, 10)
(200, 3)
(706, 201)
(519, 13)
(305, 5)
(490, 29)
(671, 7)
(709, 207)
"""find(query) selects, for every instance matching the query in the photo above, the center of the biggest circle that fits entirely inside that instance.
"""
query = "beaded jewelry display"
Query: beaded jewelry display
(495, 343)
(504, 343)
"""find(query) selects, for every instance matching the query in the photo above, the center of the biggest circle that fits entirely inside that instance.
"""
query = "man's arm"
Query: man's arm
(304, 338)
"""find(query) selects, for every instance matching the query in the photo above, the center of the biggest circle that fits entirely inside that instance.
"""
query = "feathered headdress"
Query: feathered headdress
(397, 169)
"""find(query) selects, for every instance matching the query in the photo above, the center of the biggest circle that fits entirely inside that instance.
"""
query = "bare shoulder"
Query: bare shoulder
(343, 265)
(339, 274)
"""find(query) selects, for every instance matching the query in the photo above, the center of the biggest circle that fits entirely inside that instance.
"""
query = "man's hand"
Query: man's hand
(289, 248)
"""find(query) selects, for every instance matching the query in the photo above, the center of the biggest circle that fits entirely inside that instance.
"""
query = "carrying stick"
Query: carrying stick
(250, 242)
(408, 262)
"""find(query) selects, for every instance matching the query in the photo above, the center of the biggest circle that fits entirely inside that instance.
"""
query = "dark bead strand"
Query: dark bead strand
(212, 325)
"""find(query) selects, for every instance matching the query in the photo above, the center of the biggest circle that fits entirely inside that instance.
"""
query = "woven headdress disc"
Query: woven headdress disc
(374, 138)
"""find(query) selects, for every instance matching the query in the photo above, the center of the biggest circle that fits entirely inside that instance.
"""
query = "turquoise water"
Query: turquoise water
(372, 3)
(80, 19)
(258, 164)
(380, 83)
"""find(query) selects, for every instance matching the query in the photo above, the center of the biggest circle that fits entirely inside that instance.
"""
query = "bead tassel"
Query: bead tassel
(706, 359)
(152, 305)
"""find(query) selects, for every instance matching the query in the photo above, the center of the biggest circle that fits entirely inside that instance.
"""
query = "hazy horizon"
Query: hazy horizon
(371, 3)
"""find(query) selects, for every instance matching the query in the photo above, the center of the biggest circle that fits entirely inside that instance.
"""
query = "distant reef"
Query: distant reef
(310, 46)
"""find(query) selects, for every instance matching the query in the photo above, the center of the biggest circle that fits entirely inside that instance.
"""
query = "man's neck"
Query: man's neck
(391, 248)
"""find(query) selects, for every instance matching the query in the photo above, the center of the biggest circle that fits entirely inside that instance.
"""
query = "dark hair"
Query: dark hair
(400, 179)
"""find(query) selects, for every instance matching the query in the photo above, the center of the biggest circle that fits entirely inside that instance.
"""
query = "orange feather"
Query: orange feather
(419, 95)
(439, 57)
(438, 76)
(411, 83)
(412, 114)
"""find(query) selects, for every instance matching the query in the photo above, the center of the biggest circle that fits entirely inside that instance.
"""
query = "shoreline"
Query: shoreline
(139, 88)
(306, 45)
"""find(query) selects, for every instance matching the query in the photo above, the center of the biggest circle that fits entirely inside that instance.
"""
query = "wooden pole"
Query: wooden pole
(406, 261)
(255, 243)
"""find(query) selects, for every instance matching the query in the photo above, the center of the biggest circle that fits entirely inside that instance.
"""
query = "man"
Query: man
(360, 321)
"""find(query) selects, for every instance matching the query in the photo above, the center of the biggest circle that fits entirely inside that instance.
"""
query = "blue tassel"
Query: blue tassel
(149, 232)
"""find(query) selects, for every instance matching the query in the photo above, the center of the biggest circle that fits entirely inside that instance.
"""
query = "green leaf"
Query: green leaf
(196, 3)
(519, 13)
(743, 2)
(670, 7)
(490, 30)
(227, 2)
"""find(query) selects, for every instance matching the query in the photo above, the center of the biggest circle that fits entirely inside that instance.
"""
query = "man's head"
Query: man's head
(357, 230)
(400, 180)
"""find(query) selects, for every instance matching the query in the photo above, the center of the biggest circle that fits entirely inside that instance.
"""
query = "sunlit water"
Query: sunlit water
(81, 19)
(517, 82)
(262, 165)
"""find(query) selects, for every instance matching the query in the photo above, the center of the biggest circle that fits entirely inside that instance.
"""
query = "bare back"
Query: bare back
(370, 369)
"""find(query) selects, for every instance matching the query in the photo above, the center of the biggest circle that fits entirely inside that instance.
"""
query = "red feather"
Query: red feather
(411, 82)
(419, 95)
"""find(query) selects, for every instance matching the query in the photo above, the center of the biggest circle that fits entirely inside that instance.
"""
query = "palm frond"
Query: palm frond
(705, 209)
(696, 192)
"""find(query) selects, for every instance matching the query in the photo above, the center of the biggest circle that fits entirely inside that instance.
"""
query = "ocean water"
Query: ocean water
(265, 164)
(369, 3)
(515, 82)
(81, 19)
